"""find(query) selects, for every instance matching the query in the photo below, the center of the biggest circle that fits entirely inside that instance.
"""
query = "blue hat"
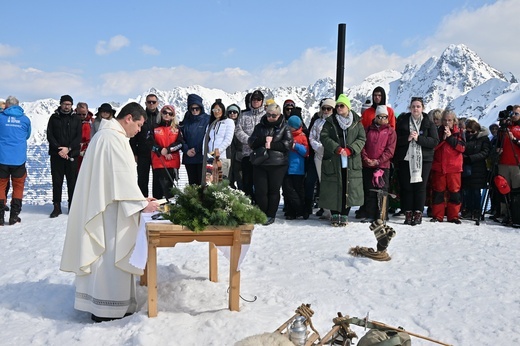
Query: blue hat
(295, 122)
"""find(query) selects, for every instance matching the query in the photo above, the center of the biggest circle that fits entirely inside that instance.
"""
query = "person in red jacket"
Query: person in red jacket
(447, 169)
(378, 99)
(166, 159)
(86, 120)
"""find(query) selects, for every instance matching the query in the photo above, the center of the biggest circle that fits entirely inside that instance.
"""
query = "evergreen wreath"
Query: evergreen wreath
(197, 207)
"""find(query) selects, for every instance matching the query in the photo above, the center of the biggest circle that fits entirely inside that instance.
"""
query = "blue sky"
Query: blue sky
(101, 51)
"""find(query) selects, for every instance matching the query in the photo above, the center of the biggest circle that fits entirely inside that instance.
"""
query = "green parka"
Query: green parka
(331, 180)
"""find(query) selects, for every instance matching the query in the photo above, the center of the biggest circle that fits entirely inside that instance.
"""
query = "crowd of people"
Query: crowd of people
(340, 160)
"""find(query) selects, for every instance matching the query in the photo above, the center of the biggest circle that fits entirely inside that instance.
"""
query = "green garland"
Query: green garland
(197, 207)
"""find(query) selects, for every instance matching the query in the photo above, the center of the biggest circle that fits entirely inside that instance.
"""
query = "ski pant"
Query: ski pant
(442, 183)
(268, 181)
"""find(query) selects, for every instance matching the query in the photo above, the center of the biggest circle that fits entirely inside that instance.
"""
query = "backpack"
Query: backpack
(376, 337)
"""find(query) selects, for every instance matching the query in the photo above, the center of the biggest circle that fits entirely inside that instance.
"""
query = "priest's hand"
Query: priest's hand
(152, 206)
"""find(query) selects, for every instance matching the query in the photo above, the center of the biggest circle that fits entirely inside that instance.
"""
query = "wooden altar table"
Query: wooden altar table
(168, 235)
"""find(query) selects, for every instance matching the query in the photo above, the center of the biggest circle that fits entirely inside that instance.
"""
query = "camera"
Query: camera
(504, 117)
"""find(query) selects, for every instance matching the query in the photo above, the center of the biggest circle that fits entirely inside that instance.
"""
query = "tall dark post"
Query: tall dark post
(340, 65)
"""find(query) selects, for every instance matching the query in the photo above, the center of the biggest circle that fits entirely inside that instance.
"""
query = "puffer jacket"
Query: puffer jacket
(280, 145)
(298, 154)
(447, 157)
(193, 129)
(245, 126)
(478, 148)
(380, 145)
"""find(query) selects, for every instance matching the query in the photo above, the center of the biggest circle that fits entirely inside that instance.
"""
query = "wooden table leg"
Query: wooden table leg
(234, 274)
(213, 263)
(143, 281)
(152, 280)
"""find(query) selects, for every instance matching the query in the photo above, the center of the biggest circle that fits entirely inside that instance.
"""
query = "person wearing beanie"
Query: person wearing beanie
(377, 156)
(221, 131)
(243, 130)
(165, 155)
(272, 140)
(193, 128)
(235, 151)
(64, 137)
(343, 138)
(327, 106)
(378, 99)
(141, 145)
(293, 183)
(288, 107)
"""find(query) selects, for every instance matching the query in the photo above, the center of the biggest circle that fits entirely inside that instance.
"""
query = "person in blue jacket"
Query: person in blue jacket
(193, 128)
(15, 130)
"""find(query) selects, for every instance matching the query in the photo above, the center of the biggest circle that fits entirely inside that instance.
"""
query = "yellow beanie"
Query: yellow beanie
(342, 98)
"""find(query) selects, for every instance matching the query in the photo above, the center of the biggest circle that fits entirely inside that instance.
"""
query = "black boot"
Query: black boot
(56, 211)
(2, 212)
(16, 208)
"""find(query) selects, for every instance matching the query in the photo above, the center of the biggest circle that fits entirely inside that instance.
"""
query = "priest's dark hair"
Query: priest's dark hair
(133, 108)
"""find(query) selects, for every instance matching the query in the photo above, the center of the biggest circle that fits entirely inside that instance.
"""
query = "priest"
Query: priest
(104, 219)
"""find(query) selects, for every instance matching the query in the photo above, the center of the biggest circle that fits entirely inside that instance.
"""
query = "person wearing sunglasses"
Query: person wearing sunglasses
(273, 137)
(142, 146)
(235, 151)
(343, 138)
(193, 128)
(416, 138)
(165, 155)
(377, 155)
(86, 125)
(447, 169)
(474, 169)
(327, 106)
(221, 130)
(378, 99)
(244, 128)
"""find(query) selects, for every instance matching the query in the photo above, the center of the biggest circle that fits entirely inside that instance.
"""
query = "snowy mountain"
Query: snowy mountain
(459, 79)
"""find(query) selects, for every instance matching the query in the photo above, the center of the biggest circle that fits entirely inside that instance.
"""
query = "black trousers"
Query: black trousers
(413, 196)
(60, 169)
(144, 163)
(294, 195)
(247, 177)
(166, 178)
(371, 201)
(268, 181)
(194, 171)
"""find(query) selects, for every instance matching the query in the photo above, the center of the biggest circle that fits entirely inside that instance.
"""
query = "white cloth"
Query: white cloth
(104, 216)
(414, 153)
(140, 253)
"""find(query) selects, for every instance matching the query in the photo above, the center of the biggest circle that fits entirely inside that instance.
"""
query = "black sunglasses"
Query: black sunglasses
(195, 109)
(327, 109)
(232, 112)
(167, 113)
(269, 115)
(382, 117)
(150, 102)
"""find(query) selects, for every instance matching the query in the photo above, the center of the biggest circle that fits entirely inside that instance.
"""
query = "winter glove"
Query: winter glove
(341, 150)
(377, 178)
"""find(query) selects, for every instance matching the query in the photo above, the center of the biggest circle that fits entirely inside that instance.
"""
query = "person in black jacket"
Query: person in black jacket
(64, 136)
(474, 174)
(416, 138)
(273, 134)
(141, 145)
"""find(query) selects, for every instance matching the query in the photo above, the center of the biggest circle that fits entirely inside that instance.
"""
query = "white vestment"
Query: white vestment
(102, 225)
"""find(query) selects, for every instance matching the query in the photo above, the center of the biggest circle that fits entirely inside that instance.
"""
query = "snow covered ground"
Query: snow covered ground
(453, 283)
